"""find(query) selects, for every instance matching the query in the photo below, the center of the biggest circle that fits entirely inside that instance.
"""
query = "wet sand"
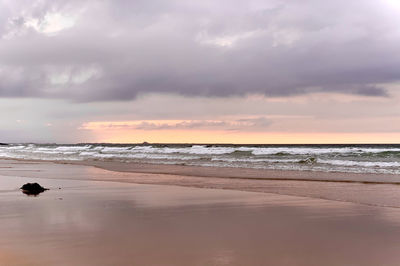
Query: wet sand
(101, 217)
(242, 173)
(367, 189)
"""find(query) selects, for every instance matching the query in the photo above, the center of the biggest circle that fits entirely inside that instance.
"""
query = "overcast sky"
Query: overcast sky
(199, 71)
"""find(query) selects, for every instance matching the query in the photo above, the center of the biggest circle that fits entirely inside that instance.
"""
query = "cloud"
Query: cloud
(116, 50)
(251, 124)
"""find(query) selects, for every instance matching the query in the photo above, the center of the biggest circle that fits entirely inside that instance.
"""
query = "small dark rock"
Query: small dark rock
(33, 189)
(3, 144)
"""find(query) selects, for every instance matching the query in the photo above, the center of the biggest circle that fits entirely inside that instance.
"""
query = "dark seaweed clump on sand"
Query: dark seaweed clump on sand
(33, 189)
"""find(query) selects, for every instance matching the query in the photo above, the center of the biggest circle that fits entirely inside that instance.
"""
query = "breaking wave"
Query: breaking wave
(339, 158)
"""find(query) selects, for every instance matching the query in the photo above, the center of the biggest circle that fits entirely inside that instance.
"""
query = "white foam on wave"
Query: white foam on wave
(343, 159)
(72, 148)
(19, 147)
(115, 149)
(303, 150)
(88, 153)
(319, 151)
(47, 151)
(196, 149)
(360, 163)
(254, 160)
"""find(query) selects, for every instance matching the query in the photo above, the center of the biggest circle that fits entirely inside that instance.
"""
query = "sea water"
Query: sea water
(367, 158)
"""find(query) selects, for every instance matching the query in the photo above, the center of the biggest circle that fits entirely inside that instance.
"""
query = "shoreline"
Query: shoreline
(340, 159)
(242, 173)
(231, 172)
(358, 189)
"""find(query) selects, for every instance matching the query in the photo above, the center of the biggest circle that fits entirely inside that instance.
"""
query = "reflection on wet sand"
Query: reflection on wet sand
(112, 223)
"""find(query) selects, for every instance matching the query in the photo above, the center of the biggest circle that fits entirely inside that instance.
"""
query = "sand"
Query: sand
(367, 189)
(92, 216)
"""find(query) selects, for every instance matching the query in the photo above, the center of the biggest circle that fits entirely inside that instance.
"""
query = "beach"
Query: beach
(204, 133)
(93, 216)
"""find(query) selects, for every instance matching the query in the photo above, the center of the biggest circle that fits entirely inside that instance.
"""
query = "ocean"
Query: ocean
(366, 158)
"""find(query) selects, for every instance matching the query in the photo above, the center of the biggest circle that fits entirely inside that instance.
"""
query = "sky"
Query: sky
(237, 71)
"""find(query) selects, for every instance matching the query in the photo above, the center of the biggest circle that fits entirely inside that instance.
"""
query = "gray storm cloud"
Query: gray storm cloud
(115, 50)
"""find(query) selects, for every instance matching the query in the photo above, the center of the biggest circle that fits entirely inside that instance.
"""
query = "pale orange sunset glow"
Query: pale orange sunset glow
(133, 132)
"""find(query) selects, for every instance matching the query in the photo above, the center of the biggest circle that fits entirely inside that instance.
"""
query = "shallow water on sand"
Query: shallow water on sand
(112, 223)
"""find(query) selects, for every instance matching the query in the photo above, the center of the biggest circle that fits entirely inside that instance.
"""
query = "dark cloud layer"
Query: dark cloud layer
(115, 50)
